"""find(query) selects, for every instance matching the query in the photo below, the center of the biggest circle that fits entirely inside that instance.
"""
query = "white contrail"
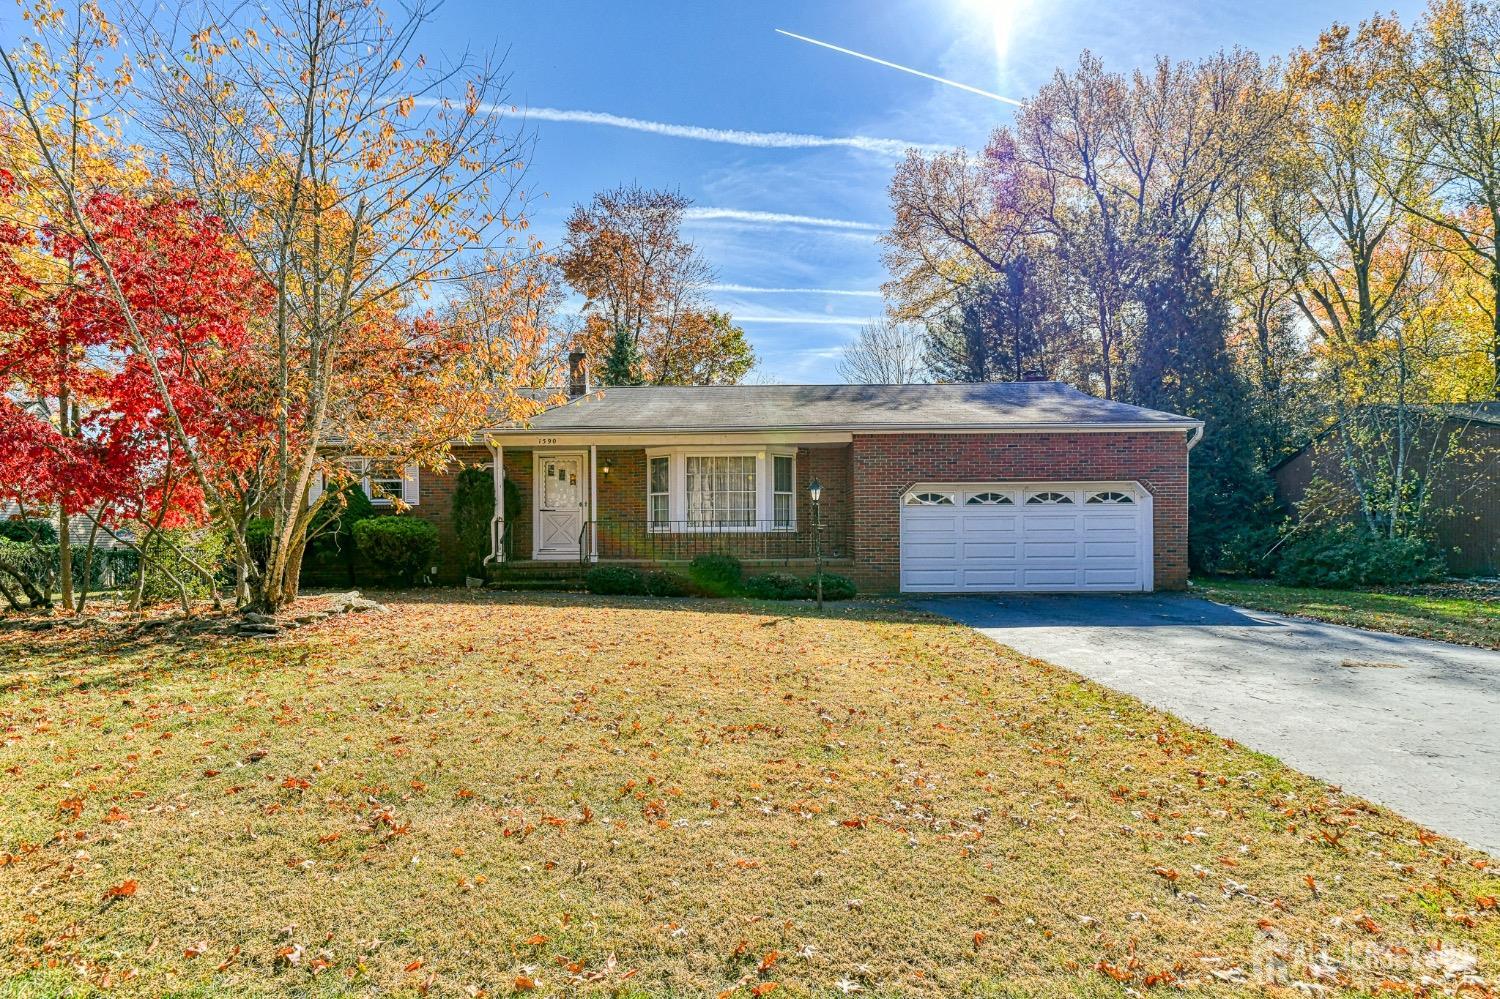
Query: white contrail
(904, 69)
(776, 218)
(731, 136)
(751, 289)
(808, 320)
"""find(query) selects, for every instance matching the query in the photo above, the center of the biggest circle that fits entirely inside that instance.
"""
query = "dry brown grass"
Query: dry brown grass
(669, 797)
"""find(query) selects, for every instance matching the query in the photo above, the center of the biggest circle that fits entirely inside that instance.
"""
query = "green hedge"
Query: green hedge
(719, 575)
(1347, 555)
(400, 548)
(835, 587)
(615, 580)
(776, 586)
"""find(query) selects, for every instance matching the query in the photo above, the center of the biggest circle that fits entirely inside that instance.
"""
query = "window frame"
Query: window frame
(765, 491)
(361, 468)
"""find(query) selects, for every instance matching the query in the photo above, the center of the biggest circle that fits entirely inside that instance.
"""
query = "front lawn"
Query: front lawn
(544, 794)
(1465, 613)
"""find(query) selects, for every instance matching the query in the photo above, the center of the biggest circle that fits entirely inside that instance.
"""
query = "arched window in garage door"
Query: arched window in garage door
(1048, 499)
(989, 499)
(930, 499)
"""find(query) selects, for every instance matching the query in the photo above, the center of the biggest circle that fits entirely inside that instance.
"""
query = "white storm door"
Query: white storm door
(561, 505)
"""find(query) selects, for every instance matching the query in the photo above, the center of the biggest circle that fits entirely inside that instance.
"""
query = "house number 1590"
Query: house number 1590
(546, 440)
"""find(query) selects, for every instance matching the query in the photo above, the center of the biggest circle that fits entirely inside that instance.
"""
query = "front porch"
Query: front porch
(578, 501)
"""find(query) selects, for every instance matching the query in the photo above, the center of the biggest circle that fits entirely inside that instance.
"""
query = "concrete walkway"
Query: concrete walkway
(1419, 733)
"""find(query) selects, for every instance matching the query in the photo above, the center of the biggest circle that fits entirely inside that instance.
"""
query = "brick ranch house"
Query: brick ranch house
(1026, 486)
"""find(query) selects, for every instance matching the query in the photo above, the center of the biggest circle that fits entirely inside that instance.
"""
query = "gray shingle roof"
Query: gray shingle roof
(999, 405)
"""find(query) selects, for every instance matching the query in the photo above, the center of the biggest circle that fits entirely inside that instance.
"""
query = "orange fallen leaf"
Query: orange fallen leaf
(414, 966)
(124, 889)
(524, 983)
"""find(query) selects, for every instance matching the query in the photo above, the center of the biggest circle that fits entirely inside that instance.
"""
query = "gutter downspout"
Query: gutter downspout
(497, 520)
(1195, 437)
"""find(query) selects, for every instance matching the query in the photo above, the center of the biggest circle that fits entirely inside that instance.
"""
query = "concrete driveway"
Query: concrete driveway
(1419, 733)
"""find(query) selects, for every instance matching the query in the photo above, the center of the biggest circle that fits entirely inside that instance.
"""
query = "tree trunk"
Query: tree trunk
(64, 557)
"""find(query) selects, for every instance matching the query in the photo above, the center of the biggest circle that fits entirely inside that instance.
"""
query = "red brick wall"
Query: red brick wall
(436, 507)
(885, 465)
(518, 469)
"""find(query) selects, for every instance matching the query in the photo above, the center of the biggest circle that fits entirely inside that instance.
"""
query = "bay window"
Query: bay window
(721, 489)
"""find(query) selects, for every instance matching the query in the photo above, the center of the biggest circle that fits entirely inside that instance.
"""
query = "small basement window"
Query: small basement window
(929, 499)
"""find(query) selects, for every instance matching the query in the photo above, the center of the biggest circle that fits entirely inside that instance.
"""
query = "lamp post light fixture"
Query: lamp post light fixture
(815, 493)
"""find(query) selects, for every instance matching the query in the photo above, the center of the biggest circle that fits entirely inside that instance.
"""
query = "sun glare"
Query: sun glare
(998, 19)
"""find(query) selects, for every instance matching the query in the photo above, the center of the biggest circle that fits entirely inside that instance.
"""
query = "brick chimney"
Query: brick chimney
(578, 374)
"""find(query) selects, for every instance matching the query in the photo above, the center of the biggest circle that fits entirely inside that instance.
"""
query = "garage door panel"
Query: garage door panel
(996, 578)
(946, 551)
(984, 549)
(1125, 577)
(930, 578)
(1050, 577)
(1055, 548)
(1051, 550)
(1110, 549)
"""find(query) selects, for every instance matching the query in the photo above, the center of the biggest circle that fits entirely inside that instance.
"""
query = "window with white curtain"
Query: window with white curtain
(720, 490)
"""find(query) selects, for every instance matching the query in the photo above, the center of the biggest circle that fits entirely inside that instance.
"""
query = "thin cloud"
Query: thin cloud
(730, 136)
(751, 289)
(905, 69)
(776, 218)
(808, 320)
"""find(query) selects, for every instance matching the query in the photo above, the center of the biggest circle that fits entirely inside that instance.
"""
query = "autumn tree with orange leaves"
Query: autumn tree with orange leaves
(357, 177)
(643, 286)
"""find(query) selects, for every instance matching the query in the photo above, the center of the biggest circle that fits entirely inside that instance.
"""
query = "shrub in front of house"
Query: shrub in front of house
(776, 586)
(331, 547)
(835, 587)
(666, 583)
(615, 580)
(718, 575)
(401, 548)
(1347, 555)
(30, 531)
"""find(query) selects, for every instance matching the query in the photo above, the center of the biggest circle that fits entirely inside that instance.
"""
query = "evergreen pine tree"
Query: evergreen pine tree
(622, 365)
(1182, 364)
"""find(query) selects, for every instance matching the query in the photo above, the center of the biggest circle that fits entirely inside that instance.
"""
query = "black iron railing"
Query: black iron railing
(612, 539)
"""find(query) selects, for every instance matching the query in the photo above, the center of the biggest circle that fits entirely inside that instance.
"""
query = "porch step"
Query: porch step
(545, 584)
(529, 571)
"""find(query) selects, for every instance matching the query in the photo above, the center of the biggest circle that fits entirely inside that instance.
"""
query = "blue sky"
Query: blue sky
(721, 66)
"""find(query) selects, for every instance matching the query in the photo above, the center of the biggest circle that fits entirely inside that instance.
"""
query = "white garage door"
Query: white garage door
(978, 537)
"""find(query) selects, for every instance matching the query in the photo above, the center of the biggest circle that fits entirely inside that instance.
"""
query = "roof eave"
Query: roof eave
(861, 428)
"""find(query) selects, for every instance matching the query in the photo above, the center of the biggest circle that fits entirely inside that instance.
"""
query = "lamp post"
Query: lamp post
(815, 493)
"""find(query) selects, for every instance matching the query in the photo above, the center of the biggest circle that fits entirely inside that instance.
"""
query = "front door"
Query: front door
(561, 504)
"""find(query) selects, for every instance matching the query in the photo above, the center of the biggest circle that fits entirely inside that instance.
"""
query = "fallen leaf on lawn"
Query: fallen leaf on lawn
(124, 889)
(413, 966)
(524, 983)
